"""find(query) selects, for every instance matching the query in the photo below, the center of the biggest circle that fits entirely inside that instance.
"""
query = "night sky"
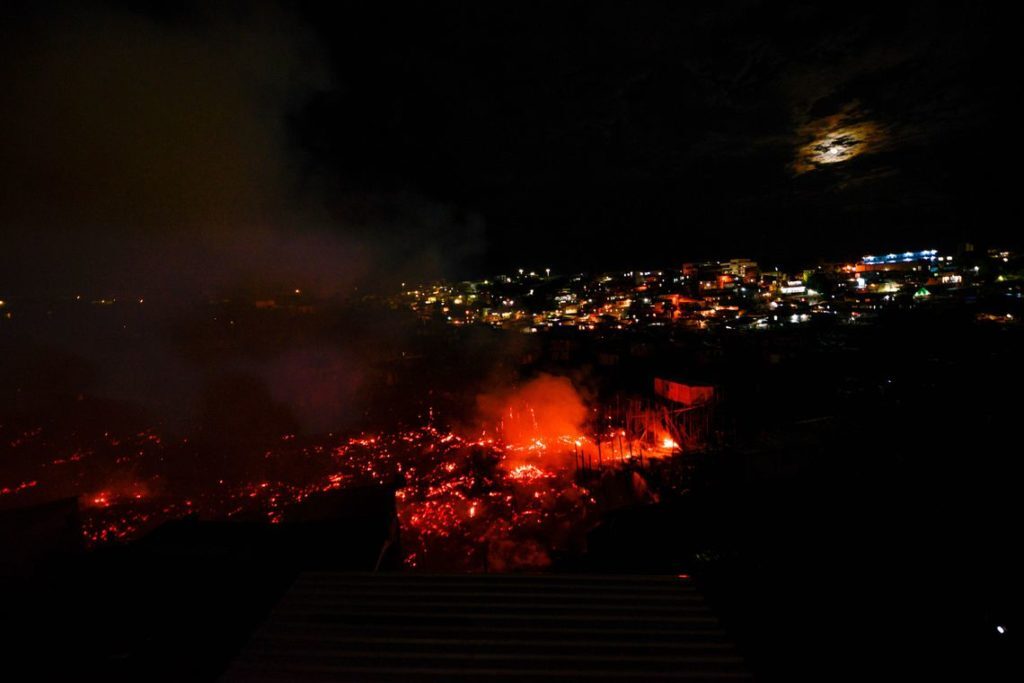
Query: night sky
(166, 144)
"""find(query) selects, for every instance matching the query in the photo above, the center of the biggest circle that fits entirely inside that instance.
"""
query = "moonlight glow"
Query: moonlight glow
(835, 139)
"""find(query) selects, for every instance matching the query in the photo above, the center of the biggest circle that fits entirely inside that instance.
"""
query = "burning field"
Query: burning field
(519, 487)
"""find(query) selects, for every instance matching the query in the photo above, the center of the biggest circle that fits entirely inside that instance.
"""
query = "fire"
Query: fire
(527, 473)
(545, 410)
(505, 497)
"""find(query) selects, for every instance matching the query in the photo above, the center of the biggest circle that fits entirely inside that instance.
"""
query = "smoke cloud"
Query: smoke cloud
(155, 156)
(159, 154)
(547, 409)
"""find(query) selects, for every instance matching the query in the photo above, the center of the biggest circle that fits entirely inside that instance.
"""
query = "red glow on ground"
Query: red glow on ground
(503, 498)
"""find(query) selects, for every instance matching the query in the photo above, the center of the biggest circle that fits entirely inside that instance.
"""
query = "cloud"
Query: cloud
(839, 137)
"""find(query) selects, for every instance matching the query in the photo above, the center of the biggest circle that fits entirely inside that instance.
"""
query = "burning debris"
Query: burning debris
(509, 496)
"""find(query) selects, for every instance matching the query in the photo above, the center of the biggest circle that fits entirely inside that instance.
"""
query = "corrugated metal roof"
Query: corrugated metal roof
(416, 627)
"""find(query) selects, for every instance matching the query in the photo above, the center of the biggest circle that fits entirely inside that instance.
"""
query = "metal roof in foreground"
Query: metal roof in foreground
(334, 626)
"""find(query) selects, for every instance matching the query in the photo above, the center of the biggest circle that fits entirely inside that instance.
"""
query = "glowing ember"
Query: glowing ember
(527, 473)
(505, 498)
(7, 490)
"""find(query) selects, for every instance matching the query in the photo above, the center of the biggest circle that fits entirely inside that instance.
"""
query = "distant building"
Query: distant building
(683, 394)
(907, 260)
(742, 268)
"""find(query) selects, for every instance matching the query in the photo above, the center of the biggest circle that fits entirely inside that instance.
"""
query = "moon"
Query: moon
(835, 143)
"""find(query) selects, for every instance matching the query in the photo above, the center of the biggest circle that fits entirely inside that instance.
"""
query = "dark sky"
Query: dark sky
(166, 141)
